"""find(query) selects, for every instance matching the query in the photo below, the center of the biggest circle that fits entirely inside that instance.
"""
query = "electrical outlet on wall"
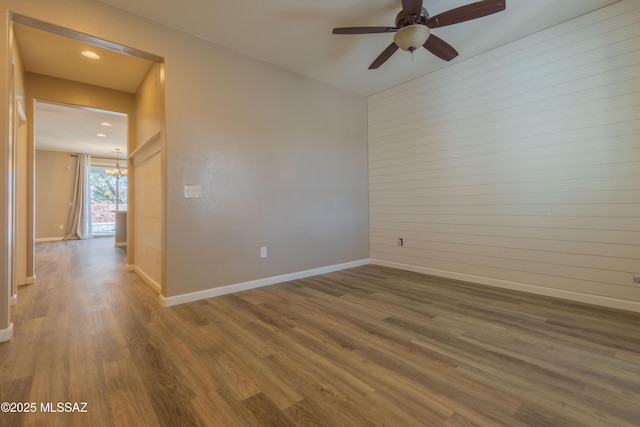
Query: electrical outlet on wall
(263, 252)
(636, 279)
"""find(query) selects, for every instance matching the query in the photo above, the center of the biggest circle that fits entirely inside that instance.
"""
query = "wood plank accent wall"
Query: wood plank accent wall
(147, 218)
(519, 167)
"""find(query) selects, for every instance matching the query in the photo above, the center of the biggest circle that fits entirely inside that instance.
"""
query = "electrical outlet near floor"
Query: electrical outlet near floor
(263, 252)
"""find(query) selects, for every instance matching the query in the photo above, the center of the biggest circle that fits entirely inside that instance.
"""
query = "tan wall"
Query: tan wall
(281, 158)
(12, 90)
(519, 167)
(55, 179)
(22, 271)
(46, 88)
(282, 163)
(150, 104)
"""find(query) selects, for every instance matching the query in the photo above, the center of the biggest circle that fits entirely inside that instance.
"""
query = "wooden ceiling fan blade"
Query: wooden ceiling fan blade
(467, 13)
(440, 48)
(412, 8)
(364, 30)
(386, 54)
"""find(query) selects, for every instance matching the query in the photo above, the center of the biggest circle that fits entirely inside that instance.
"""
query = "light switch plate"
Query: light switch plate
(192, 191)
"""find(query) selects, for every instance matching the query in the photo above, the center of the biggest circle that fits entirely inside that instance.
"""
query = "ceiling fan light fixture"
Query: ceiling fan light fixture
(411, 37)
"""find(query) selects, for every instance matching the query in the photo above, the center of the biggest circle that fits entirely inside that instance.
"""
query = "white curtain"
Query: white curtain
(79, 222)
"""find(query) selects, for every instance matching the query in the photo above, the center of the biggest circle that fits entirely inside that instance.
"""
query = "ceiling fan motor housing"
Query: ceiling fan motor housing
(403, 19)
(413, 31)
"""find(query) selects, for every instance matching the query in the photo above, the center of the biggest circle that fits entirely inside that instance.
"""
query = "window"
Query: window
(104, 190)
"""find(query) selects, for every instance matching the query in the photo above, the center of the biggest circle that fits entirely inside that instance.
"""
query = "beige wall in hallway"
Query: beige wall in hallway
(150, 104)
(51, 89)
(23, 273)
(21, 270)
(55, 178)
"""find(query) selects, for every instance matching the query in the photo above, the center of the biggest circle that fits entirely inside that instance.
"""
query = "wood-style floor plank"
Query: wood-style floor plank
(360, 347)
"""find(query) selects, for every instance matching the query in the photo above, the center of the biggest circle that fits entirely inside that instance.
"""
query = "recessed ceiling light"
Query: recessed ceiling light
(90, 54)
(102, 135)
(105, 124)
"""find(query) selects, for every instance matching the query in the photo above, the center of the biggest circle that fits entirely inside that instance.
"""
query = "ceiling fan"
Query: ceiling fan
(413, 26)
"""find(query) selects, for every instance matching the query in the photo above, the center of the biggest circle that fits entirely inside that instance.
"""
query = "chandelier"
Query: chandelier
(117, 172)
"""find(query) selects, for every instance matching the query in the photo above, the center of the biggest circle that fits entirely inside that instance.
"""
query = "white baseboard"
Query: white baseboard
(238, 287)
(145, 277)
(516, 286)
(49, 239)
(6, 334)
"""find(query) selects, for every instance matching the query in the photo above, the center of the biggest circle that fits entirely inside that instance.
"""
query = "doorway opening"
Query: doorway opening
(78, 151)
(116, 78)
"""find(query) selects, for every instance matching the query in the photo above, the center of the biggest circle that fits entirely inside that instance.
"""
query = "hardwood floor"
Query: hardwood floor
(367, 346)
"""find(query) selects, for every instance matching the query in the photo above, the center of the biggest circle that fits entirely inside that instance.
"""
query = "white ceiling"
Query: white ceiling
(296, 34)
(54, 55)
(76, 130)
(293, 34)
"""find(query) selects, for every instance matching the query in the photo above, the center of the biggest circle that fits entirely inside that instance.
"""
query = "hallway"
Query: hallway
(68, 343)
